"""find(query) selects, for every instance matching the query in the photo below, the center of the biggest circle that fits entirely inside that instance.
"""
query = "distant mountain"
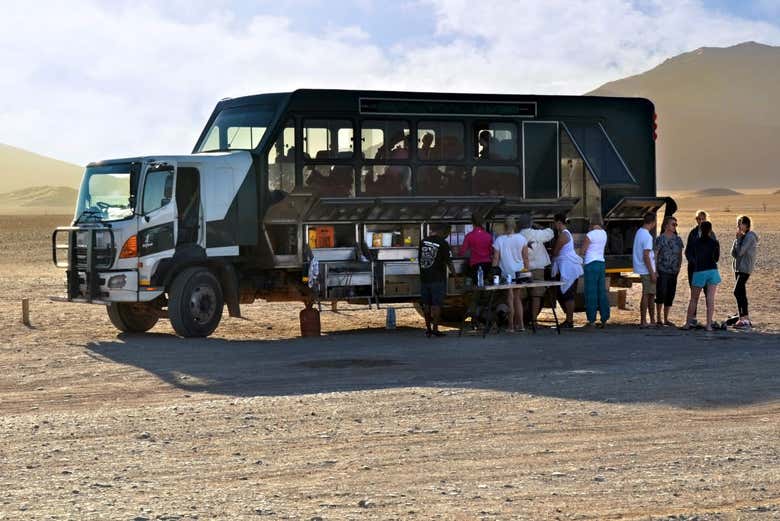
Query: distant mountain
(21, 169)
(40, 197)
(716, 192)
(718, 115)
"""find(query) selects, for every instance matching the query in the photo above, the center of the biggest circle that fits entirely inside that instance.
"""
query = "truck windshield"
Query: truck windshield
(238, 128)
(107, 193)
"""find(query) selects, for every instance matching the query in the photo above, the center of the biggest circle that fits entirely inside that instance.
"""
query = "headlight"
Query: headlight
(117, 282)
(102, 239)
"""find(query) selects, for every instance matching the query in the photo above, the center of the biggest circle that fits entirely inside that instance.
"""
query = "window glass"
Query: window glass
(497, 141)
(440, 140)
(496, 180)
(392, 235)
(541, 160)
(237, 128)
(442, 180)
(330, 180)
(158, 190)
(281, 160)
(577, 181)
(327, 139)
(244, 138)
(386, 180)
(383, 140)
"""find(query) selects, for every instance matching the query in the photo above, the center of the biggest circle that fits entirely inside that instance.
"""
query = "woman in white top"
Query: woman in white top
(568, 265)
(596, 297)
(510, 253)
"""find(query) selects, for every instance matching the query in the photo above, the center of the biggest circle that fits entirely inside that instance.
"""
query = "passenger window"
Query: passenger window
(330, 180)
(158, 190)
(497, 180)
(244, 138)
(281, 160)
(386, 180)
(385, 140)
(442, 180)
(327, 139)
(440, 140)
(496, 141)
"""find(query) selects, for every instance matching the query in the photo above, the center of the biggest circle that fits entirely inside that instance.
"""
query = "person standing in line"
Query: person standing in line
(434, 257)
(568, 266)
(538, 258)
(596, 296)
(706, 253)
(744, 253)
(510, 254)
(693, 236)
(644, 266)
(668, 255)
(478, 245)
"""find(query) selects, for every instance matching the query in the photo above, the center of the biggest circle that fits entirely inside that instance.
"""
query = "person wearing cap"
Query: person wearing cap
(538, 258)
(434, 257)
(510, 254)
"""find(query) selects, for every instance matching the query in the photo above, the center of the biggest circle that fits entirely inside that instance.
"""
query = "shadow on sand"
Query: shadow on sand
(622, 365)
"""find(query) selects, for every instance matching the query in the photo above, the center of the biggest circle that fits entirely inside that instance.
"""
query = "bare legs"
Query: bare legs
(709, 297)
(647, 307)
(515, 302)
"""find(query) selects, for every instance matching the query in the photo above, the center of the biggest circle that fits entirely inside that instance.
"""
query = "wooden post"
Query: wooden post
(26, 312)
(334, 306)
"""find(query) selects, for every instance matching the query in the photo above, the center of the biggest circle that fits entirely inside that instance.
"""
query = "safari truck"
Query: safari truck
(324, 195)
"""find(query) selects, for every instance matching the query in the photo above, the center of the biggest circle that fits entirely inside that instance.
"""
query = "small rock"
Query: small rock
(264, 512)
(557, 474)
(599, 479)
(594, 413)
(365, 503)
(316, 518)
(144, 436)
(140, 518)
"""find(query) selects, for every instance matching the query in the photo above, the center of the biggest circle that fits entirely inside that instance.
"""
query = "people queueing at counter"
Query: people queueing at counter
(510, 255)
(567, 266)
(538, 258)
(657, 261)
(434, 256)
(596, 296)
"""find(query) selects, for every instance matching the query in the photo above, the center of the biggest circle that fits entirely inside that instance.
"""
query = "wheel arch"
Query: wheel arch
(223, 268)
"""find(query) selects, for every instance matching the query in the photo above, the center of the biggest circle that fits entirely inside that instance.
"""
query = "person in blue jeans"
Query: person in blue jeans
(596, 296)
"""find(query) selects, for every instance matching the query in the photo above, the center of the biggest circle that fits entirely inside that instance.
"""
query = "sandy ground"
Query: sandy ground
(368, 424)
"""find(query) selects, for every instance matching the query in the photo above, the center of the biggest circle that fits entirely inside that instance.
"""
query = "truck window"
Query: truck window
(237, 128)
(330, 180)
(327, 139)
(383, 140)
(495, 141)
(281, 160)
(158, 190)
(442, 180)
(496, 180)
(440, 140)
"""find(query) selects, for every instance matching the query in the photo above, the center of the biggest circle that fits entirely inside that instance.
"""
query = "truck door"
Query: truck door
(188, 206)
(156, 230)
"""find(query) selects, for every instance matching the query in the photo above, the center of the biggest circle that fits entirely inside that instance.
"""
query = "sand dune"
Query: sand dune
(20, 169)
(718, 122)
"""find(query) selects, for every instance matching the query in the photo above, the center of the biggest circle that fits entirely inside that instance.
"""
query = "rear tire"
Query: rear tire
(131, 317)
(195, 303)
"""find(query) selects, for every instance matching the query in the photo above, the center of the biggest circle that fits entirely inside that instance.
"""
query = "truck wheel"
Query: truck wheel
(131, 317)
(195, 303)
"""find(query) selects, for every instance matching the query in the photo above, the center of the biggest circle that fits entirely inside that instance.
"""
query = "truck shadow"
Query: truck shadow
(623, 365)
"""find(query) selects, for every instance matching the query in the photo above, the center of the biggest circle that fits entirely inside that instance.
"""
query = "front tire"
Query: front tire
(195, 303)
(131, 317)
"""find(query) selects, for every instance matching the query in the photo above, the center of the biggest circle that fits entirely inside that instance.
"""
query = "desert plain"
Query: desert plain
(363, 423)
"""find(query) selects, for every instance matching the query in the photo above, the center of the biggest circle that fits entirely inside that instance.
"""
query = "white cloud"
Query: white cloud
(83, 81)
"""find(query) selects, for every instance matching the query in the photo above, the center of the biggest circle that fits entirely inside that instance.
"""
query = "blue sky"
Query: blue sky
(93, 79)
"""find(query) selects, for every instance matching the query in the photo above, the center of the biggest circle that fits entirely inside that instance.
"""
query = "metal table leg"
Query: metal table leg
(551, 295)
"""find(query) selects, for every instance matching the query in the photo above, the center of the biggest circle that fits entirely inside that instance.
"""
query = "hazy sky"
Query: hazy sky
(87, 80)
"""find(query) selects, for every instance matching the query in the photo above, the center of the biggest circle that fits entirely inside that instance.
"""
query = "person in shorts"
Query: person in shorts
(538, 258)
(644, 266)
(434, 257)
(668, 259)
(706, 253)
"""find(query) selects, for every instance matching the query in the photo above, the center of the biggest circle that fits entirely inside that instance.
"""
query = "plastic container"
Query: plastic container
(310, 321)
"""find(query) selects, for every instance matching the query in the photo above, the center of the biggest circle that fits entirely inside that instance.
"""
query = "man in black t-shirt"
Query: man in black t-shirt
(435, 257)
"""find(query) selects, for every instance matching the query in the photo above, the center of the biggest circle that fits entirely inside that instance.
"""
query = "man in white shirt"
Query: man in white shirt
(538, 258)
(510, 253)
(644, 266)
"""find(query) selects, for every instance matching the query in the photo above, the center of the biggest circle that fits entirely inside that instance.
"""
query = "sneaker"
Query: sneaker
(566, 325)
(744, 325)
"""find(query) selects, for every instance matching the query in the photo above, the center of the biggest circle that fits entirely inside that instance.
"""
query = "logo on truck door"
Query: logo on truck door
(156, 239)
